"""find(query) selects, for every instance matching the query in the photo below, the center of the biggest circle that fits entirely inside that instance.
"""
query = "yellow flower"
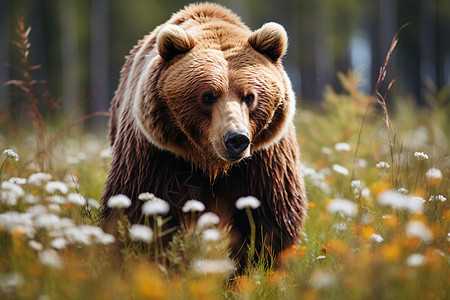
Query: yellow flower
(367, 232)
(391, 252)
(291, 252)
(338, 247)
(203, 288)
(150, 284)
(380, 186)
(301, 251)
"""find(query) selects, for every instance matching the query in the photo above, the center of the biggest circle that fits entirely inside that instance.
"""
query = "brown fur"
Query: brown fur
(161, 131)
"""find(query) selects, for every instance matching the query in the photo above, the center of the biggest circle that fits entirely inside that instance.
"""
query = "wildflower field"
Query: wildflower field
(377, 175)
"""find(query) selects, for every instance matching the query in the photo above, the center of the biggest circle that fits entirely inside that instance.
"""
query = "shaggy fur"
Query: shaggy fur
(167, 141)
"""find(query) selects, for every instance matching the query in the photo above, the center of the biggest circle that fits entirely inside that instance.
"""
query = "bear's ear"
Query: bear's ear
(173, 40)
(271, 40)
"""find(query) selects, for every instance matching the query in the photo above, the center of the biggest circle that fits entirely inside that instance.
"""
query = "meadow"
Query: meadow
(377, 175)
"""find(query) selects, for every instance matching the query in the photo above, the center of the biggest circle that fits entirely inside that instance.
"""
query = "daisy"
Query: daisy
(141, 233)
(211, 235)
(56, 186)
(340, 169)
(119, 201)
(248, 201)
(342, 147)
(155, 207)
(193, 206)
(342, 206)
(208, 219)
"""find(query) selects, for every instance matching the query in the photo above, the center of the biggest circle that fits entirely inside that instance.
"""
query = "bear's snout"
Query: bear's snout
(236, 143)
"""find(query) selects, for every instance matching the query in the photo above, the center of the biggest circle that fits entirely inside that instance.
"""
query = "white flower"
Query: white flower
(56, 186)
(35, 245)
(343, 206)
(211, 235)
(322, 280)
(420, 230)
(213, 266)
(326, 150)
(401, 201)
(57, 199)
(362, 163)
(87, 234)
(106, 239)
(48, 221)
(317, 178)
(119, 201)
(415, 260)
(30, 199)
(340, 169)
(342, 147)
(14, 220)
(376, 238)
(54, 208)
(106, 153)
(13, 187)
(18, 180)
(140, 232)
(365, 193)
(193, 206)
(59, 243)
(208, 219)
(10, 282)
(50, 258)
(76, 199)
(155, 207)
(11, 192)
(340, 227)
(37, 210)
(321, 257)
(434, 173)
(93, 204)
(147, 197)
(382, 165)
(248, 201)
(420, 156)
(9, 153)
(403, 191)
(357, 186)
(39, 178)
(438, 198)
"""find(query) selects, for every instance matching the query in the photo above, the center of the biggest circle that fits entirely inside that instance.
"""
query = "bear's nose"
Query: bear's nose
(236, 142)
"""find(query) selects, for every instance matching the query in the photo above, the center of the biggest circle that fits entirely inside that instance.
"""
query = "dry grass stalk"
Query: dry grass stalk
(381, 100)
(45, 140)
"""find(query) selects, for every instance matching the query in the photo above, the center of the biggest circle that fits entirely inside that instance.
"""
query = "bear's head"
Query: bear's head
(213, 94)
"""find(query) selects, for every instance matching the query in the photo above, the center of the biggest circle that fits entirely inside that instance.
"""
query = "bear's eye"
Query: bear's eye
(208, 98)
(249, 98)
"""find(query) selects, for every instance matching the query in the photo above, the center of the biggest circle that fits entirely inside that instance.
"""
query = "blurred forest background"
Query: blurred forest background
(81, 44)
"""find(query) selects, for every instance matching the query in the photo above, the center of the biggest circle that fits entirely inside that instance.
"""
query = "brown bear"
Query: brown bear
(204, 110)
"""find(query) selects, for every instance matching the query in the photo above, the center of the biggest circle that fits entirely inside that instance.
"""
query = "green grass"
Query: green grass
(376, 252)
